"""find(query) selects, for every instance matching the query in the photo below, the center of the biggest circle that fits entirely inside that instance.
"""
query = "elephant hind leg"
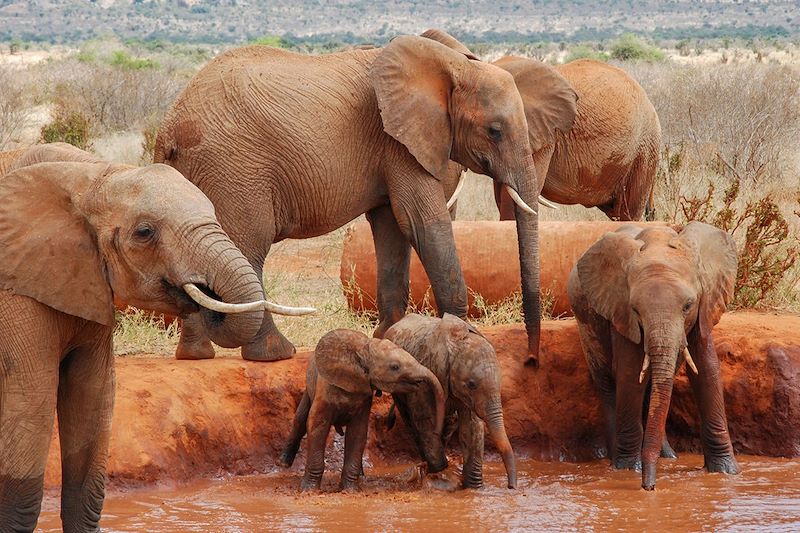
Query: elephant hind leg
(85, 408)
(297, 433)
(635, 193)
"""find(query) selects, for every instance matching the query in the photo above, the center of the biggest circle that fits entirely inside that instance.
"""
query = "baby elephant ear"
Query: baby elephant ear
(717, 263)
(449, 41)
(602, 272)
(341, 357)
(550, 102)
(48, 249)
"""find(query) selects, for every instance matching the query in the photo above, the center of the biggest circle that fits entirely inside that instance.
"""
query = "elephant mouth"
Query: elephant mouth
(185, 304)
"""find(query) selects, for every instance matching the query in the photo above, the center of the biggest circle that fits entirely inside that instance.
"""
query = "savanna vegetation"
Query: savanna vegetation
(729, 111)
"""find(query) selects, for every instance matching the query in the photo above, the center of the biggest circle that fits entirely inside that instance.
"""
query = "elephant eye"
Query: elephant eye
(687, 306)
(144, 232)
(495, 133)
(394, 366)
(471, 385)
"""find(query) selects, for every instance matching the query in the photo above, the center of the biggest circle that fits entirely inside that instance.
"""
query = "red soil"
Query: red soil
(175, 420)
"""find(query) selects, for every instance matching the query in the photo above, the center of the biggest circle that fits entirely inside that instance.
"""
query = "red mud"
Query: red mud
(489, 256)
(177, 420)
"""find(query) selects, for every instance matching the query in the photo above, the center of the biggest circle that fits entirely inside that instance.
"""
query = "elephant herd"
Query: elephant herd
(265, 145)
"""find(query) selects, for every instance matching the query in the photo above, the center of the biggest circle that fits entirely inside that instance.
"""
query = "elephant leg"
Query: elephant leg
(319, 426)
(471, 439)
(28, 384)
(393, 255)
(355, 439)
(85, 408)
(627, 363)
(635, 191)
(194, 343)
(707, 389)
(298, 431)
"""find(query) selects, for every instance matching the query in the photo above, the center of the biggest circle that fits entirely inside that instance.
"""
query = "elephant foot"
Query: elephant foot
(627, 463)
(286, 459)
(307, 485)
(349, 487)
(722, 463)
(666, 450)
(274, 347)
(202, 349)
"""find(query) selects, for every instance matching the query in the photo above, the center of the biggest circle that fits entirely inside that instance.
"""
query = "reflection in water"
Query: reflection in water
(551, 496)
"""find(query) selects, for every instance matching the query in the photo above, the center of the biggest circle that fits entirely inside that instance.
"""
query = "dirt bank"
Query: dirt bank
(175, 420)
(489, 256)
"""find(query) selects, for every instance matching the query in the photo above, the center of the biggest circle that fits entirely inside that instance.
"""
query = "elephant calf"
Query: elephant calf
(466, 365)
(645, 302)
(343, 372)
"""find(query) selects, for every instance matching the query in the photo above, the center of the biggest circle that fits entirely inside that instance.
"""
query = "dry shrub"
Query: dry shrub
(69, 127)
(15, 105)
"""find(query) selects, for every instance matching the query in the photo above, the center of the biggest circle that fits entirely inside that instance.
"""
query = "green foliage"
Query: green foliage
(767, 248)
(583, 51)
(273, 40)
(125, 61)
(629, 47)
(69, 127)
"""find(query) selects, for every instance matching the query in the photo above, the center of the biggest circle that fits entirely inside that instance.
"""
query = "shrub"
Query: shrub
(585, 52)
(15, 105)
(69, 127)
(631, 48)
(123, 60)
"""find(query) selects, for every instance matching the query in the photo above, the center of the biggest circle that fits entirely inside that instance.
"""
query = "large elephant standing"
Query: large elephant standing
(610, 156)
(645, 301)
(293, 146)
(73, 236)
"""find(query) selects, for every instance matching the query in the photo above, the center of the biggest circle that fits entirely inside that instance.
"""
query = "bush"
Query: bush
(123, 60)
(15, 105)
(585, 52)
(631, 48)
(69, 127)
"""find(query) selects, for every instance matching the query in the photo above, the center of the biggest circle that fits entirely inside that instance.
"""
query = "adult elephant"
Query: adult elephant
(72, 236)
(610, 156)
(645, 301)
(293, 146)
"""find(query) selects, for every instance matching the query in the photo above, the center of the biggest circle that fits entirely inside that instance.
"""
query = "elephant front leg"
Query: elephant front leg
(355, 439)
(194, 343)
(85, 408)
(27, 408)
(707, 389)
(627, 362)
(471, 439)
(393, 255)
(269, 344)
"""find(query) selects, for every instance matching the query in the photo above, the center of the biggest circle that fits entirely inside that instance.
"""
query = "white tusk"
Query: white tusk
(645, 366)
(460, 186)
(689, 361)
(547, 203)
(221, 307)
(517, 200)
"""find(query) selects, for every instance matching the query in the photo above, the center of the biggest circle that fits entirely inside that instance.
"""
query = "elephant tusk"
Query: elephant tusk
(645, 366)
(221, 307)
(689, 361)
(460, 186)
(517, 200)
(547, 203)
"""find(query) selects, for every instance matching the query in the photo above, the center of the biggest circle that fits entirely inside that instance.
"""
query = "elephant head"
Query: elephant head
(358, 364)
(73, 235)
(655, 286)
(442, 105)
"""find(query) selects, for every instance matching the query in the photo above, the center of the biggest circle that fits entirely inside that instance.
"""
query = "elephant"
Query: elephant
(344, 371)
(645, 301)
(466, 365)
(609, 157)
(72, 237)
(293, 146)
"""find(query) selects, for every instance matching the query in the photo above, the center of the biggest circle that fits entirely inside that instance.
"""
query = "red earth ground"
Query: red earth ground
(177, 420)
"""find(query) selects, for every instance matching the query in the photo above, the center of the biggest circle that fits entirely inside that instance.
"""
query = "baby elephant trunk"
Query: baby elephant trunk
(497, 430)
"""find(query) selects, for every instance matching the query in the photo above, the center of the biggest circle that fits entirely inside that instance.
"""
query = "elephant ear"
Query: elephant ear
(341, 357)
(602, 272)
(549, 100)
(449, 41)
(718, 261)
(454, 330)
(413, 78)
(48, 250)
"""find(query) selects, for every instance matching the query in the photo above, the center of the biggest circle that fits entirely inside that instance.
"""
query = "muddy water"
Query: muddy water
(551, 496)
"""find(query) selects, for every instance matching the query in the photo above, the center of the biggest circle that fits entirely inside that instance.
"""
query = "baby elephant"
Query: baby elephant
(345, 370)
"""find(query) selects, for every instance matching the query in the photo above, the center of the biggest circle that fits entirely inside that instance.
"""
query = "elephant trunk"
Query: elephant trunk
(231, 279)
(497, 430)
(662, 365)
(528, 239)
(438, 394)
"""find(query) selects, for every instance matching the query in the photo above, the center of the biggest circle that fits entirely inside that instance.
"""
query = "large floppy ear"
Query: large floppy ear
(48, 250)
(452, 330)
(602, 272)
(441, 36)
(717, 263)
(549, 100)
(341, 357)
(413, 79)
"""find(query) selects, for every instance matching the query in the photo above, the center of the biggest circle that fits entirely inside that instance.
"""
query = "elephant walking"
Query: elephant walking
(293, 146)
